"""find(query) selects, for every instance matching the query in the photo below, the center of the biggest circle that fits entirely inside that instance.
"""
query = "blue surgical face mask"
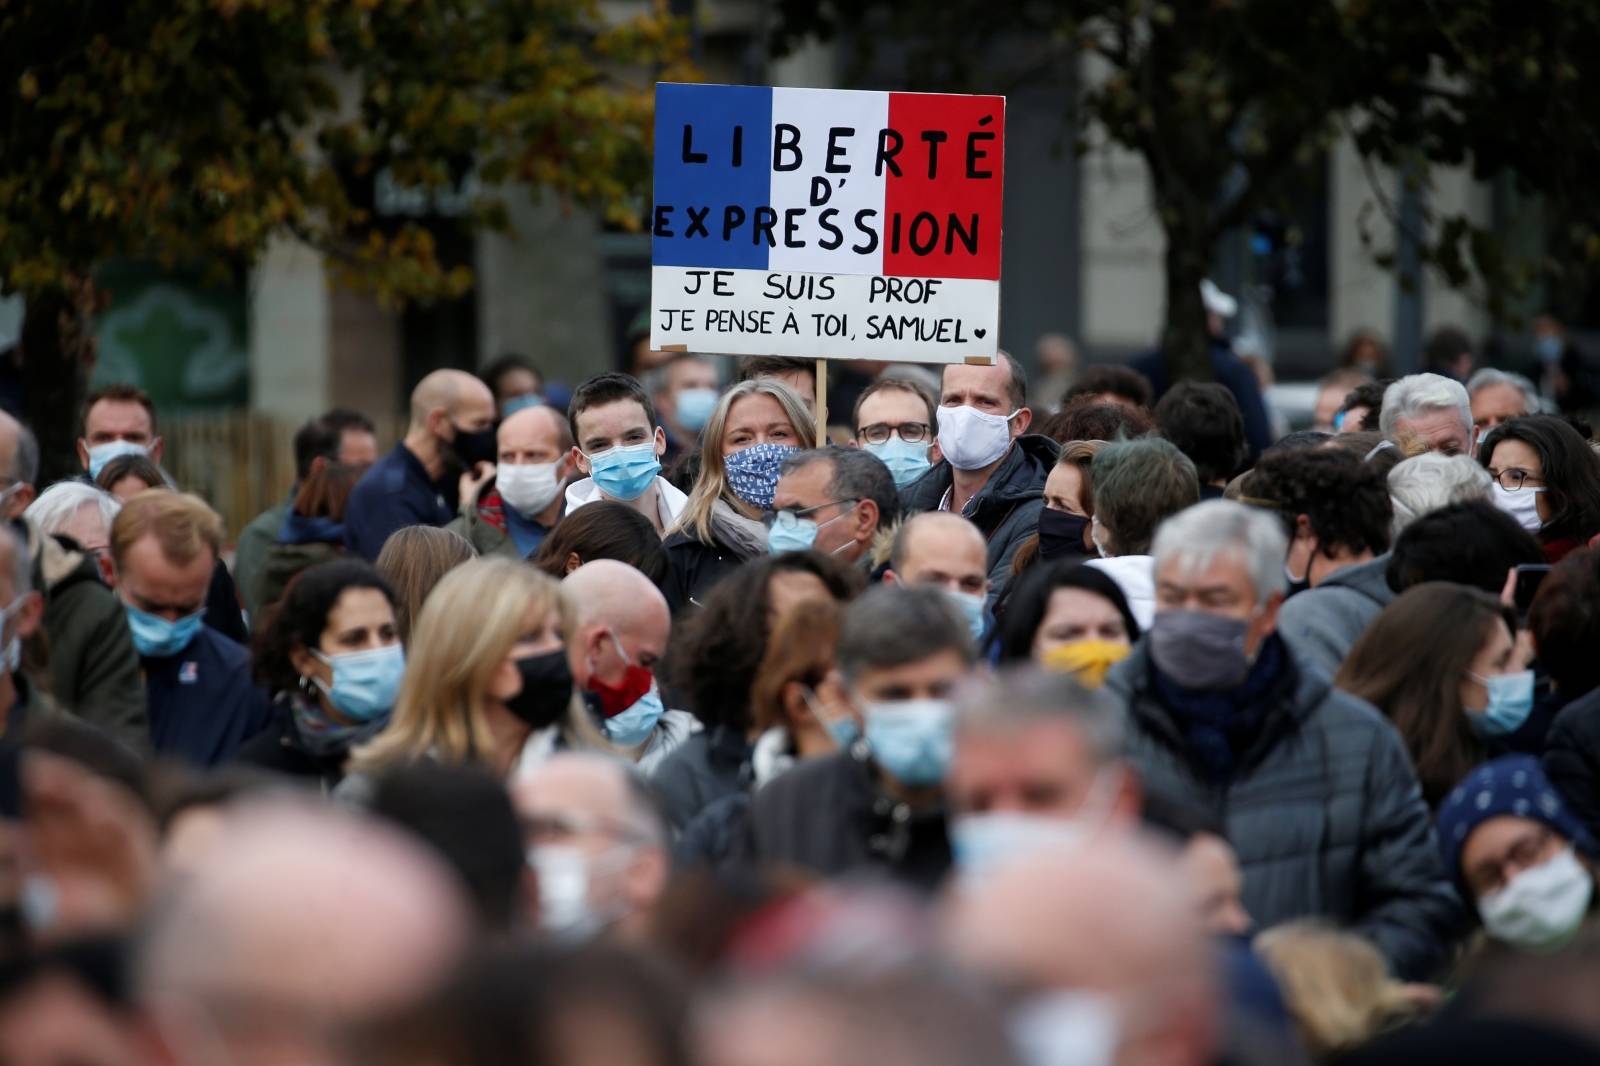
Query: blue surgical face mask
(633, 725)
(101, 454)
(157, 638)
(844, 729)
(971, 605)
(906, 462)
(1510, 703)
(364, 682)
(790, 533)
(13, 647)
(695, 407)
(520, 402)
(753, 472)
(911, 739)
(625, 471)
(1549, 348)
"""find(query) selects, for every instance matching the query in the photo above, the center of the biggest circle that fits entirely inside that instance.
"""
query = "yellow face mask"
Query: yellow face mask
(1089, 660)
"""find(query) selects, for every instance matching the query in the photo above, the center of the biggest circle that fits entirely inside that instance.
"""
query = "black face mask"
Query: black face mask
(473, 448)
(546, 689)
(1061, 534)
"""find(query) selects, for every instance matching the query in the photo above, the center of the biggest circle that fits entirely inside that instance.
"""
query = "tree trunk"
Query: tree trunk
(1185, 341)
(53, 376)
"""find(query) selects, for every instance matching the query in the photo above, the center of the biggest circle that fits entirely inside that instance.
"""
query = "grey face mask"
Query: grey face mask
(1200, 651)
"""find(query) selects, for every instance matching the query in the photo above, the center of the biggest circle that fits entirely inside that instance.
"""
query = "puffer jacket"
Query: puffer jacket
(1324, 811)
(1324, 623)
(1006, 509)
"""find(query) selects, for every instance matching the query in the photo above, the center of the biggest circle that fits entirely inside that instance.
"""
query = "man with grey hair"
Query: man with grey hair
(833, 500)
(877, 807)
(1038, 759)
(1315, 787)
(1427, 413)
(83, 513)
(21, 613)
(1424, 483)
(1497, 397)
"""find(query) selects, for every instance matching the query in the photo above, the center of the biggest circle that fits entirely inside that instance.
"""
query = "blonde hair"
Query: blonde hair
(183, 524)
(467, 627)
(1337, 985)
(712, 484)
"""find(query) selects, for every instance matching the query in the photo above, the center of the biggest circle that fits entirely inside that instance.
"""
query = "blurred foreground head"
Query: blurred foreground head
(301, 920)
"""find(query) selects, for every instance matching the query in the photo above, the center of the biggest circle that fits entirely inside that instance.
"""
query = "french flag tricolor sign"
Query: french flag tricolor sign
(827, 223)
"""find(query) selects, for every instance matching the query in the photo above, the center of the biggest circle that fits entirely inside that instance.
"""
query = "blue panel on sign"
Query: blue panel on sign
(713, 173)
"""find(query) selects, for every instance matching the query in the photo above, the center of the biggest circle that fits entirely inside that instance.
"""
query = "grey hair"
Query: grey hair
(25, 463)
(57, 505)
(1488, 376)
(1194, 537)
(1026, 695)
(1424, 483)
(896, 625)
(857, 475)
(1416, 393)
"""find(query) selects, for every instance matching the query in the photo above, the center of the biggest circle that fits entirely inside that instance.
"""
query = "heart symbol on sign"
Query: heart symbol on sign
(978, 333)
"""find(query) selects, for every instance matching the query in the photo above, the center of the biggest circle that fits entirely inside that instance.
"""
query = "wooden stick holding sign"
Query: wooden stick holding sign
(822, 403)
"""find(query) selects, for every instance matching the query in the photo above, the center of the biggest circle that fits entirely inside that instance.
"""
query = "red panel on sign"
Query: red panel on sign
(942, 210)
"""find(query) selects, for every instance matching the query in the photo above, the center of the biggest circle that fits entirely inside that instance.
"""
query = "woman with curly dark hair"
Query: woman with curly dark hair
(1547, 478)
(1337, 513)
(713, 662)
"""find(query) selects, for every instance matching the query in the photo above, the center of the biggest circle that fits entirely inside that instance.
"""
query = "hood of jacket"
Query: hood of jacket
(57, 561)
(1019, 477)
(1370, 578)
(584, 490)
(1135, 576)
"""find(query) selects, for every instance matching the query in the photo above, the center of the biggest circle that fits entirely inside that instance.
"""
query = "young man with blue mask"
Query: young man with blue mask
(1319, 794)
(992, 471)
(877, 807)
(619, 445)
(946, 552)
(203, 704)
(896, 419)
(618, 638)
(836, 501)
(117, 420)
(514, 507)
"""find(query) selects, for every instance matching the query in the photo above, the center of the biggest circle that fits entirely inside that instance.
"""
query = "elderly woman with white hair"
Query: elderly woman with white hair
(1427, 413)
(1316, 788)
(81, 512)
(1424, 483)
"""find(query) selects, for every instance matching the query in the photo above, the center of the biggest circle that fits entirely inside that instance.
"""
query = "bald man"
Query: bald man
(597, 842)
(511, 507)
(946, 551)
(19, 467)
(623, 624)
(1105, 946)
(297, 920)
(448, 449)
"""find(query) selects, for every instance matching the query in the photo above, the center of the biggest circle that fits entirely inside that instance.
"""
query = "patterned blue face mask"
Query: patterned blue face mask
(753, 472)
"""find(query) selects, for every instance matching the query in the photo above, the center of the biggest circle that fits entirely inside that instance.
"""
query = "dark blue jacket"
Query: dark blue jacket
(203, 705)
(395, 493)
(1230, 372)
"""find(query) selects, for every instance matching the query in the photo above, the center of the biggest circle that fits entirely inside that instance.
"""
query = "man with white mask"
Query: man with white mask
(518, 502)
(992, 471)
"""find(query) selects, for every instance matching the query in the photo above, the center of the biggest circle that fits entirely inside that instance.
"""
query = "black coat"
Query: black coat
(695, 567)
(280, 751)
(1572, 758)
(829, 817)
(1006, 510)
(1324, 810)
(708, 766)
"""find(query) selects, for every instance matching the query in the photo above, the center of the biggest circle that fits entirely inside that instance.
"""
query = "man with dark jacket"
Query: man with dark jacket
(203, 706)
(1314, 786)
(877, 807)
(993, 472)
(1338, 515)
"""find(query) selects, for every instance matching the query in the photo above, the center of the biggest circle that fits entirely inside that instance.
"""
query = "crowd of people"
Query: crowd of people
(680, 726)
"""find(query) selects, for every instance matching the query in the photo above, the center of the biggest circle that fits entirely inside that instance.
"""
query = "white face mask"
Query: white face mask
(972, 439)
(528, 487)
(567, 884)
(1542, 906)
(1066, 1028)
(1523, 505)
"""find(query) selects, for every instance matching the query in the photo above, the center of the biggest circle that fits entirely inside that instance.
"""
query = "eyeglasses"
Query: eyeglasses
(910, 432)
(791, 515)
(1512, 477)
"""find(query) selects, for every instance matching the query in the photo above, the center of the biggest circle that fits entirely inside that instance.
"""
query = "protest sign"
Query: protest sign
(827, 223)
